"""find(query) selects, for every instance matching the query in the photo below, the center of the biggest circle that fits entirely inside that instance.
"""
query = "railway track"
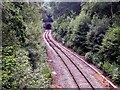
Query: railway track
(61, 59)
(84, 72)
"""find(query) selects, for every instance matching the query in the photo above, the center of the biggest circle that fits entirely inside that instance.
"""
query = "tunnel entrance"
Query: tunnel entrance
(48, 26)
(47, 22)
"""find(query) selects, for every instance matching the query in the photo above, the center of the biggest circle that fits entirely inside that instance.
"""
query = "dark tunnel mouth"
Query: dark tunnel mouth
(48, 26)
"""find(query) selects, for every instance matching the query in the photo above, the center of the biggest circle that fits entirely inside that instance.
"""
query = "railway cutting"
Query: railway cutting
(72, 71)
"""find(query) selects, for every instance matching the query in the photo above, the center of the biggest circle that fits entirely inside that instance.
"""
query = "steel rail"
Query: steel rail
(62, 61)
(77, 56)
(72, 63)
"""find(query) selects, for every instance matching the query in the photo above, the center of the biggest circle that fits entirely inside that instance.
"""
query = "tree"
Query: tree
(98, 28)
(22, 50)
(111, 45)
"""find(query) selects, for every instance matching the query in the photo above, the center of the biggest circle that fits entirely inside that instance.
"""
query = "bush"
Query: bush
(89, 57)
(111, 45)
(88, 34)
(98, 28)
(112, 70)
(22, 50)
(108, 56)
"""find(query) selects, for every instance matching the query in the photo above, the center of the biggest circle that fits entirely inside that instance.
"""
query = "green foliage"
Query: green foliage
(108, 56)
(23, 53)
(13, 25)
(88, 57)
(116, 19)
(62, 28)
(11, 64)
(88, 34)
(98, 28)
(103, 8)
(112, 70)
(111, 45)
(80, 28)
(66, 8)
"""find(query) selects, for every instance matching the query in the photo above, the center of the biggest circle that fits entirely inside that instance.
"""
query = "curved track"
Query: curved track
(81, 71)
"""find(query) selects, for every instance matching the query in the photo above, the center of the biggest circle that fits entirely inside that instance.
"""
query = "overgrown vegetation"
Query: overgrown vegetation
(23, 52)
(95, 33)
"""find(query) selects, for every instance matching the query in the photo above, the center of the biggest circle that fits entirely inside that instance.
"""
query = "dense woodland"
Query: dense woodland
(91, 29)
(23, 52)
